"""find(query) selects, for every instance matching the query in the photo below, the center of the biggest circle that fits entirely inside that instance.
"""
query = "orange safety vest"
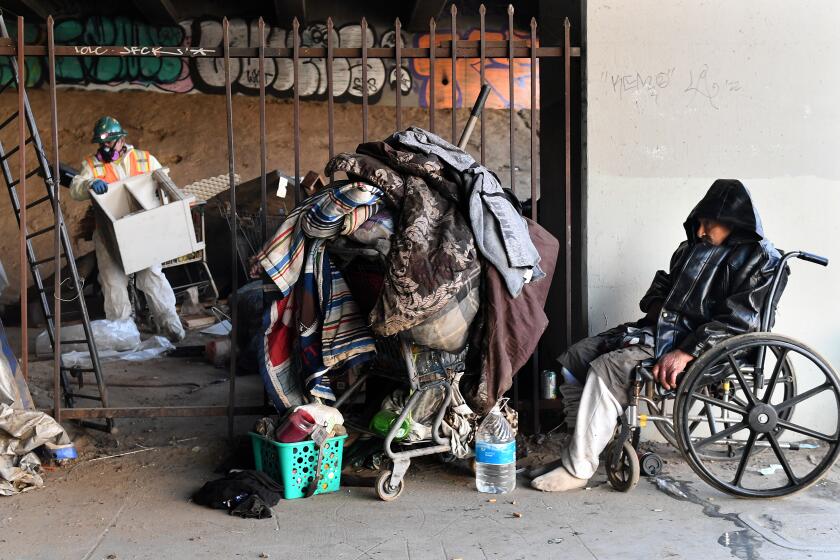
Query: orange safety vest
(139, 163)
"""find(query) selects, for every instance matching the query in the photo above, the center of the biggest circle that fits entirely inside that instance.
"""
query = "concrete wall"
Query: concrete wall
(683, 92)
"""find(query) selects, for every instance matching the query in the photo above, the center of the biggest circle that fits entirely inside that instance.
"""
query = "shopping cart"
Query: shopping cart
(424, 370)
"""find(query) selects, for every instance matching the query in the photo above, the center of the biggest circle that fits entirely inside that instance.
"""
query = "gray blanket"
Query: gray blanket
(500, 232)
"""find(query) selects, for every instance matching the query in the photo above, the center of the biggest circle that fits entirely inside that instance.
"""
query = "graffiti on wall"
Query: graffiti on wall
(468, 74)
(206, 75)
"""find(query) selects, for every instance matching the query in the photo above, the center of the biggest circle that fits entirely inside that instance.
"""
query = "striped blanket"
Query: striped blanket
(336, 211)
(329, 331)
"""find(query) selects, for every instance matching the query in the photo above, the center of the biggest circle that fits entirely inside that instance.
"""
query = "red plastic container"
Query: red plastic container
(297, 427)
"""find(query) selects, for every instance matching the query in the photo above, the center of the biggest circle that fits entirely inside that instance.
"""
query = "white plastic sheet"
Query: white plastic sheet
(117, 336)
(150, 348)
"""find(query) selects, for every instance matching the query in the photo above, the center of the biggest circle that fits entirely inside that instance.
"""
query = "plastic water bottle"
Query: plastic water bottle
(495, 455)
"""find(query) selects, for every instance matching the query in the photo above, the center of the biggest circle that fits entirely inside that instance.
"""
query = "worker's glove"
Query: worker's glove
(99, 186)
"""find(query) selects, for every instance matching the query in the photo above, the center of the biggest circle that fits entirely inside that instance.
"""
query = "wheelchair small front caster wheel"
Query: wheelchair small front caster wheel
(651, 464)
(384, 490)
(624, 475)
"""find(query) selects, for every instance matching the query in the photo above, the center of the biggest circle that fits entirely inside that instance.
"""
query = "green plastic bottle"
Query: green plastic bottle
(383, 420)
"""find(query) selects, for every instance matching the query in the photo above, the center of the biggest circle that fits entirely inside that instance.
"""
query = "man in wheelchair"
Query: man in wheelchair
(715, 286)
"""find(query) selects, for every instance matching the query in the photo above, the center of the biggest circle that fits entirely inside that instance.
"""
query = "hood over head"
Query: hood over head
(728, 201)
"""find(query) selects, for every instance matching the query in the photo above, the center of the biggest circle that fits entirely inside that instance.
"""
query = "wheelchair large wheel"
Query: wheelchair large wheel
(703, 419)
(767, 466)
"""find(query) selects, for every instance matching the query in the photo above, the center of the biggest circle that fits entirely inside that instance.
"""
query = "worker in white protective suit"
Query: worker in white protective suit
(113, 161)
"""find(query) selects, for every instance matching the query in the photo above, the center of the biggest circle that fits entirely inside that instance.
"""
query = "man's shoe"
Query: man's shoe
(558, 480)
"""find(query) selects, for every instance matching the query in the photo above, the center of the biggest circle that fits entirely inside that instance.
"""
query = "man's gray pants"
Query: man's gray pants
(605, 396)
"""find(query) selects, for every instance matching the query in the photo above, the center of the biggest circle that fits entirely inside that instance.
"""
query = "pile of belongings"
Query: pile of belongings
(408, 245)
(24, 430)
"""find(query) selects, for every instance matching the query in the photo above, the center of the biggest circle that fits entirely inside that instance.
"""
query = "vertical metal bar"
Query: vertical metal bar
(432, 61)
(535, 361)
(454, 12)
(296, 85)
(567, 93)
(482, 61)
(534, 154)
(398, 59)
(330, 101)
(263, 145)
(58, 225)
(512, 110)
(511, 136)
(364, 82)
(234, 277)
(24, 263)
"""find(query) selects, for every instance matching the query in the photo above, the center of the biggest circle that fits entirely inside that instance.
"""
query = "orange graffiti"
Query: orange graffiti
(468, 74)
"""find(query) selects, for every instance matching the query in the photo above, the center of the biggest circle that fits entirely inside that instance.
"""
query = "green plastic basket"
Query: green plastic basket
(293, 464)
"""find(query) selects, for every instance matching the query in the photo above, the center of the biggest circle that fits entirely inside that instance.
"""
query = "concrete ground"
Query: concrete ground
(138, 505)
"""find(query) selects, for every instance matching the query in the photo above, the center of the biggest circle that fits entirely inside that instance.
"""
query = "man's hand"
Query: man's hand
(99, 186)
(669, 366)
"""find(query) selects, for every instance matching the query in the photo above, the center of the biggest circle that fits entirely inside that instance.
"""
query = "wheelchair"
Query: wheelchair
(731, 409)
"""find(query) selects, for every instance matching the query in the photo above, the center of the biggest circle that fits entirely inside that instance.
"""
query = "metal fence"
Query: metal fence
(453, 50)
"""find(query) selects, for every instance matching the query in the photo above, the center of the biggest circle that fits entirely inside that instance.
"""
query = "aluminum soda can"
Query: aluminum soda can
(548, 384)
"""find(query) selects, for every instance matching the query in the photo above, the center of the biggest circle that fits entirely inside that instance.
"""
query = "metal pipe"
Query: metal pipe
(234, 277)
(330, 100)
(58, 224)
(511, 148)
(535, 357)
(364, 81)
(454, 56)
(466, 49)
(263, 144)
(21, 189)
(296, 107)
(512, 103)
(432, 64)
(398, 70)
(482, 61)
(159, 411)
(567, 93)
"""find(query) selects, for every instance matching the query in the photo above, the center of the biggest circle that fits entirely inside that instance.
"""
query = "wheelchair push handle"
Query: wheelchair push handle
(811, 257)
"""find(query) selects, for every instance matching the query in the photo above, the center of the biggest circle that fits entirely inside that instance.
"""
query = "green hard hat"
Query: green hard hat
(107, 129)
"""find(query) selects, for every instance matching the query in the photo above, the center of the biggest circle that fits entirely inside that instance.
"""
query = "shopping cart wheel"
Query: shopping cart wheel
(384, 489)
(625, 475)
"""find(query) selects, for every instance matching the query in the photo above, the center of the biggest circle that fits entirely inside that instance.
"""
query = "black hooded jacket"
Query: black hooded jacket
(714, 292)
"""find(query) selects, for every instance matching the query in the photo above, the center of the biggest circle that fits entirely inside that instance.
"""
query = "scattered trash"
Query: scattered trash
(117, 336)
(263, 555)
(670, 488)
(222, 328)
(513, 503)
(196, 449)
(517, 515)
(492, 500)
(656, 510)
(217, 352)
(770, 470)
(555, 541)
(150, 348)
(120, 454)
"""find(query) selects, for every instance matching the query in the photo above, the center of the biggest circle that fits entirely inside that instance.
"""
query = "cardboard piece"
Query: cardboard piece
(146, 220)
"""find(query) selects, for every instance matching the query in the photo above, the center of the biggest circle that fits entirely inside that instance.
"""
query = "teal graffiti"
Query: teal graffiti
(102, 31)
(34, 73)
(109, 69)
